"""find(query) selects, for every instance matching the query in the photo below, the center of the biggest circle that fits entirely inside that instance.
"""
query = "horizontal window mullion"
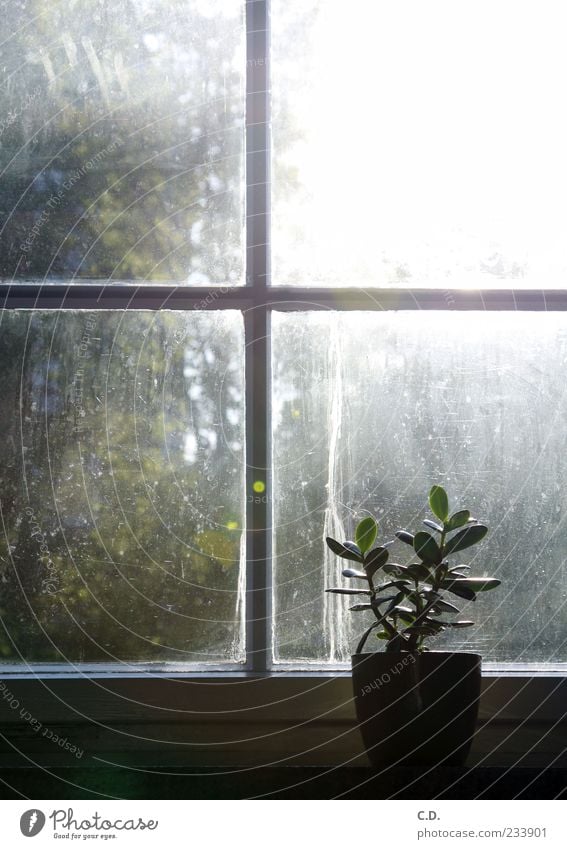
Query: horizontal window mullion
(155, 297)
(342, 299)
(123, 296)
(136, 296)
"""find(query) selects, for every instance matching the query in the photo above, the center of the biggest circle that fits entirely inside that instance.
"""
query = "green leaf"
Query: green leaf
(478, 585)
(462, 623)
(406, 614)
(384, 599)
(365, 533)
(382, 635)
(457, 588)
(470, 585)
(344, 591)
(400, 585)
(462, 567)
(418, 571)
(415, 571)
(457, 520)
(396, 601)
(439, 502)
(464, 539)
(354, 573)
(433, 525)
(406, 618)
(423, 630)
(405, 536)
(343, 551)
(393, 569)
(375, 559)
(361, 607)
(442, 606)
(426, 547)
(353, 548)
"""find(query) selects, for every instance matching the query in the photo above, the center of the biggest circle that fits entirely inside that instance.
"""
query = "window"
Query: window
(123, 455)
(250, 287)
(371, 408)
(130, 429)
(123, 142)
(418, 145)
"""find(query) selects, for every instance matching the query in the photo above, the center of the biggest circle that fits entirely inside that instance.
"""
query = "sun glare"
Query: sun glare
(429, 146)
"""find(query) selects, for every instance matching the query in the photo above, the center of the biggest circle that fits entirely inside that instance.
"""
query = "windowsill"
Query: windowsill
(241, 718)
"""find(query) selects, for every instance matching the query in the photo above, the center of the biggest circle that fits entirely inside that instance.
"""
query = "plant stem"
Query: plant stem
(364, 637)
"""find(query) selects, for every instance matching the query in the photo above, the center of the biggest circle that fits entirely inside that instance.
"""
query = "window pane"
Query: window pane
(419, 143)
(369, 411)
(122, 488)
(121, 140)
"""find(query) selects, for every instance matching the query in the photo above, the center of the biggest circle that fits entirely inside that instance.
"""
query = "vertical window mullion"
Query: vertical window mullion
(258, 421)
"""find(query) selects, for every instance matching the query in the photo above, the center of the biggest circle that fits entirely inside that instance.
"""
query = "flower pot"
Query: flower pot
(416, 709)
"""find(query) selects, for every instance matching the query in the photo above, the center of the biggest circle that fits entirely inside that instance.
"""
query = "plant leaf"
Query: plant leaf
(457, 588)
(406, 617)
(365, 533)
(433, 525)
(442, 606)
(457, 520)
(477, 585)
(460, 623)
(425, 630)
(418, 571)
(406, 614)
(343, 551)
(464, 539)
(375, 559)
(354, 573)
(426, 547)
(378, 601)
(393, 569)
(402, 585)
(461, 567)
(344, 591)
(439, 502)
(352, 547)
(405, 536)
(361, 607)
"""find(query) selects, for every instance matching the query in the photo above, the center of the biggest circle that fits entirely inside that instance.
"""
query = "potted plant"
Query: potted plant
(414, 705)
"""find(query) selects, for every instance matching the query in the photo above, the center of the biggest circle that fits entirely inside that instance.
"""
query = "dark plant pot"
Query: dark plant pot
(417, 709)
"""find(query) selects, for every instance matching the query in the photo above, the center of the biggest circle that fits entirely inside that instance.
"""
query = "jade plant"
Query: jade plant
(409, 601)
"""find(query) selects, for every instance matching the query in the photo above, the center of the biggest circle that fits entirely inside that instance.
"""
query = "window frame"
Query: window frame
(520, 695)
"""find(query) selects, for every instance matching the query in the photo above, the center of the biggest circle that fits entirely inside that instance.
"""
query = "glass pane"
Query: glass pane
(121, 140)
(369, 411)
(419, 143)
(122, 486)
